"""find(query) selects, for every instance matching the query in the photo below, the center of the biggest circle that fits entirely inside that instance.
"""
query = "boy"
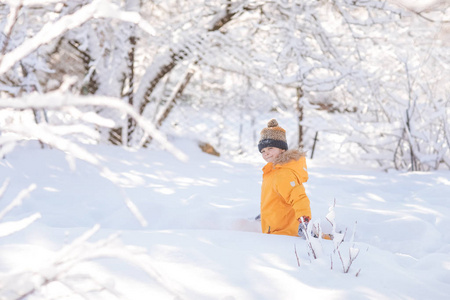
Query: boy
(284, 204)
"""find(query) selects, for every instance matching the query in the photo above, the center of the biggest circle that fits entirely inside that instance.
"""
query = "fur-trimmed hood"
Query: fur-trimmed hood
(288, 156)
(294, 160)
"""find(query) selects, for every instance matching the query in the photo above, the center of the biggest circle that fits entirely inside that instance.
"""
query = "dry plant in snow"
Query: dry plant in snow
(314, 236)
(338, 239)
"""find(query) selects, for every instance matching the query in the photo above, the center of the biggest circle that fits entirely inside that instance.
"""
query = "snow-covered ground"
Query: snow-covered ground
(200, 240)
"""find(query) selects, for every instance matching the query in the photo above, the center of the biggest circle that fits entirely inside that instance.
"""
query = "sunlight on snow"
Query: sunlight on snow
(221, 205)
(375, 197)
(443, 180)
(424, 210)
(188, 181)
(50, 189)
(165, 191)
(221, 163)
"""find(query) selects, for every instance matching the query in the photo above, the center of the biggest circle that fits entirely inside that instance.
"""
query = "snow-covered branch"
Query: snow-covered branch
(7, 228)
(55, 136)
(347, 57)
(50, 31)
(69, 267)
(18, 200)
(57, 101)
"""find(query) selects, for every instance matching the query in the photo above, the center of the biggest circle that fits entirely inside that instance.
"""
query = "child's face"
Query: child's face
(271, 153)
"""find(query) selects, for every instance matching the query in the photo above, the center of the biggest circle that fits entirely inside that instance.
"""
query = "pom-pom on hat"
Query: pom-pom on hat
(273, 136)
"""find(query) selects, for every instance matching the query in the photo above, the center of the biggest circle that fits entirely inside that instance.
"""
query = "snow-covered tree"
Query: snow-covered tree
(371, 71)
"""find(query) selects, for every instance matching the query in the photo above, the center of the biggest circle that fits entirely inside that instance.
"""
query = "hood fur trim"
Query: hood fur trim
(288, 156)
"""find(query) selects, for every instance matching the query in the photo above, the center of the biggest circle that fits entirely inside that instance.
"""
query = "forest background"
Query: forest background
(94, 93)
(367, 80)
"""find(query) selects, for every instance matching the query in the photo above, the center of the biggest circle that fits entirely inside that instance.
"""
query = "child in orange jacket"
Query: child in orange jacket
(284, 204)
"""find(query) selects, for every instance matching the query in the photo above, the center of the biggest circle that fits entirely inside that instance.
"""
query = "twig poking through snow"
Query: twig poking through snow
(4, 187)
(296, 255)
(18, 200)
(338, 239)
(307, 232)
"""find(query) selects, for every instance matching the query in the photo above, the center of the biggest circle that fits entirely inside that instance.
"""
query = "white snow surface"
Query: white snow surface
(201, 241)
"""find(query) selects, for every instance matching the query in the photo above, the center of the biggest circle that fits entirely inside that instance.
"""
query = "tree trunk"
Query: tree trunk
(299, 110)
(131, 124)
(165, 64)
(178, 91)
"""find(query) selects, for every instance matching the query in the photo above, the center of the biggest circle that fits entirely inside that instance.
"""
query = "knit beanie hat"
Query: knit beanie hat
(273, 136)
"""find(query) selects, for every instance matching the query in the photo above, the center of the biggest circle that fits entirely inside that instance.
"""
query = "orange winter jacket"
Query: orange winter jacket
(283, 197)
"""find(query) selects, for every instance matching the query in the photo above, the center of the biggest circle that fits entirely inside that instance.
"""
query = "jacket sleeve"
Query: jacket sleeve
(293, 192)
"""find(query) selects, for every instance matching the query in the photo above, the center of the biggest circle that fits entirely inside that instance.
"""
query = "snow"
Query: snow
(200, 240)
(50, 31)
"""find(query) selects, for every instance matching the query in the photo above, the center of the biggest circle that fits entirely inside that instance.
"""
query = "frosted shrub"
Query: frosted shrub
(315, 236)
